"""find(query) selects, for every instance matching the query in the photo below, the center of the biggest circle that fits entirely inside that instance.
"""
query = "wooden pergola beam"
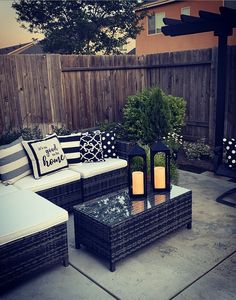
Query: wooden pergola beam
(169, 21)
(228, 13)
(211, 17)
(190, 19)
(187, 28)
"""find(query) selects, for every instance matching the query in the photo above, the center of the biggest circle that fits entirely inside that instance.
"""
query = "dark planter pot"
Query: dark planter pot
(205, 156)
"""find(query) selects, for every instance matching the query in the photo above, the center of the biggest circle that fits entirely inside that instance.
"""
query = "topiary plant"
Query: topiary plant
(146, 116)
(151, 114)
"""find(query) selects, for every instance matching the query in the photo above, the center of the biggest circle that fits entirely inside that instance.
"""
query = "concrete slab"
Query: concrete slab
(161, 270)
(217, 284)
(212, 174)
(58, 283)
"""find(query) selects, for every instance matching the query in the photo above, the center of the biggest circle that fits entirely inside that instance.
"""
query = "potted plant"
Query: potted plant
(198, 150)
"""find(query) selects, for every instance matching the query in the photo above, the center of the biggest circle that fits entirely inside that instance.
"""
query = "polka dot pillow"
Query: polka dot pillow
(109, 144)
(230, 148)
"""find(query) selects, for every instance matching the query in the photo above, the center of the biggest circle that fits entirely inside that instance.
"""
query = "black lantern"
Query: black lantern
(137, 172)
(160, 175)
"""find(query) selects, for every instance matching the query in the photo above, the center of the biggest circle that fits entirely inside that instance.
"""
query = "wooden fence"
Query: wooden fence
(80, 91)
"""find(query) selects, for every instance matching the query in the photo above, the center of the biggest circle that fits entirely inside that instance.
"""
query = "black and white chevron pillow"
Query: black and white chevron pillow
(109, 144)
(91, 147)
(230, 148)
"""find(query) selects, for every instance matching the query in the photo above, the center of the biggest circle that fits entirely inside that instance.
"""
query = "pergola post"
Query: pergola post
(221, 92)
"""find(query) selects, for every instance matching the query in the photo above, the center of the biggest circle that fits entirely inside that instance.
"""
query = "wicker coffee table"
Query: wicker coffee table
(114, 226)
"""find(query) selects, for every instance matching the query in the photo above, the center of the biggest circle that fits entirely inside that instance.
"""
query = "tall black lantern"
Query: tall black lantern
(160, 175)
(137, 172)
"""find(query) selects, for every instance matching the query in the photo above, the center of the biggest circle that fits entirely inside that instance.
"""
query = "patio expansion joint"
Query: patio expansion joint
(205, 273)
(95, 282)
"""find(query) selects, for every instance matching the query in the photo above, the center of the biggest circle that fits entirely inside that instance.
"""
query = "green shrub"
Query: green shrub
(178, 109)
(151, 114)
(31, 133)
(26, 133)
(61, 130)
(9, 137)
(113, 126)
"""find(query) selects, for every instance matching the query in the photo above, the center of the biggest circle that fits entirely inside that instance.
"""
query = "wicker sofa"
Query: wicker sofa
(81, 182)
(33, 235)
(34, 212)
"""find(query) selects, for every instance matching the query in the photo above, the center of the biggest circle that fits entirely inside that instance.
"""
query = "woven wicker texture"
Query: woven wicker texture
(70, 194)
(105, 183)
(115, 241)
(65, 196)
(123, 148)
(29, 255)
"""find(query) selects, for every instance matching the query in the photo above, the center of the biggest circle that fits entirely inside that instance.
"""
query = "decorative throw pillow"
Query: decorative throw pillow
(109, 144)
(14, 163)
(46, 155)
(71, 147)
(230, 148)
(91, 147)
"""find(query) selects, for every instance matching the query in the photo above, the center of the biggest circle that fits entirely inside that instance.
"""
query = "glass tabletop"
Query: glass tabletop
(116, 207)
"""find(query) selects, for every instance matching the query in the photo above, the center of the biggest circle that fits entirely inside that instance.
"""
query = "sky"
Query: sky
(10, 31)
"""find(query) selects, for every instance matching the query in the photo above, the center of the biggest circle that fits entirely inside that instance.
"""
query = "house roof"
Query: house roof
(154, 3)
(7, 50)
(27, 48)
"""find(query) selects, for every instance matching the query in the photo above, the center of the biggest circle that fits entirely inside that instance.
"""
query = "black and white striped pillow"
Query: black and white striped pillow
(71, 146)
(14, 163)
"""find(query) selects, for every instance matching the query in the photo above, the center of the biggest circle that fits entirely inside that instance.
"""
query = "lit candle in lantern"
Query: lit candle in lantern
(138, 183)
(160, 199)
(137, 207)
(159, 178)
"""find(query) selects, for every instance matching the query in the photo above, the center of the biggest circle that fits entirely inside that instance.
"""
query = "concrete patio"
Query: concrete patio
(188, 264)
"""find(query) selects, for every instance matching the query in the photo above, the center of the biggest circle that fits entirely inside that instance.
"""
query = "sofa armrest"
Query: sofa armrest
(123, 148)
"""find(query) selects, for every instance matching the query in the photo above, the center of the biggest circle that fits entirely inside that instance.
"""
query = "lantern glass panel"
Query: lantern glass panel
(159, 171)
(137, 176)
(137, 163)
(160, 167)
(137, 172)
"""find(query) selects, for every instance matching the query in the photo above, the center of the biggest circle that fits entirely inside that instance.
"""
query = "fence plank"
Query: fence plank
(80, 91)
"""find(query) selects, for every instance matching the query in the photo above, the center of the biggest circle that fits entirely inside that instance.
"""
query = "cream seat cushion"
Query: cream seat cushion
(47, 181)
(7, 189)
(96, 168)
(23, 213)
